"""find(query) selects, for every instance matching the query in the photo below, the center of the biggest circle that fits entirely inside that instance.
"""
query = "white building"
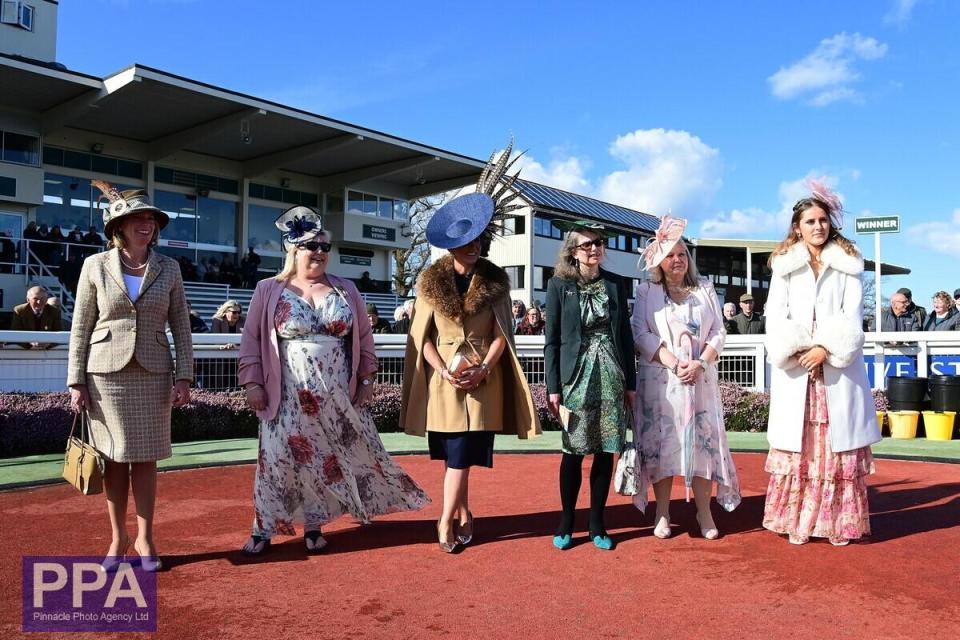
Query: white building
(222, 164)
(529, 249)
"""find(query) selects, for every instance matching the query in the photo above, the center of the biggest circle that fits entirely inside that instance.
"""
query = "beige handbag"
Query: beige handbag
(83, 465)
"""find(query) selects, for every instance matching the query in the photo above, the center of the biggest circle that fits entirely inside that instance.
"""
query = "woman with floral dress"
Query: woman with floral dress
(307, 362)
(590, 371)
(822, 418)
(678, 331)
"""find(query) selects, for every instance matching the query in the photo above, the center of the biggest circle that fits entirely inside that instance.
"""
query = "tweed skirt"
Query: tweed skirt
(130, 413)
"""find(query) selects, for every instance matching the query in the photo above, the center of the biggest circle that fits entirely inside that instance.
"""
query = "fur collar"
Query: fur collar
(833, 256)
(437, 285)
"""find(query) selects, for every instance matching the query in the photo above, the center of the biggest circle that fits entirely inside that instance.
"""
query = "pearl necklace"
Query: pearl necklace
(130, 266)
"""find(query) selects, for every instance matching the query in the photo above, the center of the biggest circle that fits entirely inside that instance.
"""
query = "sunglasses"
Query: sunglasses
(598, 243)
(313, 245)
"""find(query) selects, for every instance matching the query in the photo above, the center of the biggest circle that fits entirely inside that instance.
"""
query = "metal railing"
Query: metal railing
(742, 362)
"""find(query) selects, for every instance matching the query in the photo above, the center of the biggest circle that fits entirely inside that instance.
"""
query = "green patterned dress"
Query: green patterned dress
(598, 418)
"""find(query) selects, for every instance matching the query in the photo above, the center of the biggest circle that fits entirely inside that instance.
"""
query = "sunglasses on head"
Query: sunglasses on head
(598, 243)
(313, 245)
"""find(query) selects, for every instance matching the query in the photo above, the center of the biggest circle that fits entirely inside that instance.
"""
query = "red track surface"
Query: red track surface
(389, 580)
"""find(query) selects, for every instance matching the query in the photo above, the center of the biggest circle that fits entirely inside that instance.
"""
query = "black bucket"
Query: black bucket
(906, 394)
(945, 393)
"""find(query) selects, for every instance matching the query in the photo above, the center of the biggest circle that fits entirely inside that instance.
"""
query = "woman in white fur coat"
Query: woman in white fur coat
(822, 418)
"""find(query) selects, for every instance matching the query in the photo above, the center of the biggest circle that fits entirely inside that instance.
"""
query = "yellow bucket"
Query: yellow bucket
(903, 424)
(939, 426)
(880, 415)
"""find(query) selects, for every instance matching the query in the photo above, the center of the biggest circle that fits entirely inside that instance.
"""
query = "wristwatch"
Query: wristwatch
(367, 382)
(703, 362)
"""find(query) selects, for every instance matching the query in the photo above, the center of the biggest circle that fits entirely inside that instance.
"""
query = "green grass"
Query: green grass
(30, 470)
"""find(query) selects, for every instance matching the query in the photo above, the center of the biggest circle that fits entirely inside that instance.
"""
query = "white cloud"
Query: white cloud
(567, 173)
(900, 12)
(939, 236)
(665, 170)
(757, 222)
(825, 75)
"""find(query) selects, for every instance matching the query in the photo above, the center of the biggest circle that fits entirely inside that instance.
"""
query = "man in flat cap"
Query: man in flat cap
(919, 313)
(748, 322)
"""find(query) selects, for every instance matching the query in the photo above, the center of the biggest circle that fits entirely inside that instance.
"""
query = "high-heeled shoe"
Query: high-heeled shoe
(465, 530)
(710, 533)
(839, 542)
(797, 539)
(150, 564)
(662, 530)
(109, 564)
(446, 547)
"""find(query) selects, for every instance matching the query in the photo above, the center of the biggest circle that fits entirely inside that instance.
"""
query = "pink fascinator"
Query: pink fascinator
(820, 191)
(663, 241)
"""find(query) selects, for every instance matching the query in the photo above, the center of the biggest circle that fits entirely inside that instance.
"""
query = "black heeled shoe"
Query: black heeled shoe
(465, 530)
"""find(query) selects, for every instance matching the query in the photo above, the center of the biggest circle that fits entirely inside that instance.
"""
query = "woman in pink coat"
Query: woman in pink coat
(308, 365)
(679, 334)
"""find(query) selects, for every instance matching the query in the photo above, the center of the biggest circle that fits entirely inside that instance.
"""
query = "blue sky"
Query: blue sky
(717, 111)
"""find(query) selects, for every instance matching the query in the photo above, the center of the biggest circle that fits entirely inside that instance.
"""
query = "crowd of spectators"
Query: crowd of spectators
(905, 315)
(223, 271)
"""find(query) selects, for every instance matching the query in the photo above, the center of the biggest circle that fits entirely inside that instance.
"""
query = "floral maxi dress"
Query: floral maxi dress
(598, 418)
(679, 428)
(320, 457)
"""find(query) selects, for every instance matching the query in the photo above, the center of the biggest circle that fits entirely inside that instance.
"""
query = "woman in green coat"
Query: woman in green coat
(590, 370)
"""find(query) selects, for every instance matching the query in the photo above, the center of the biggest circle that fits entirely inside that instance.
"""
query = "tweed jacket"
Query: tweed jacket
(22, 319)
(109, 330)
(562, 342)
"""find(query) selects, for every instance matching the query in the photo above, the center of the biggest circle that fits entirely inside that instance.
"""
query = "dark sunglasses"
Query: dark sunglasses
(313, 245)
(598, 243)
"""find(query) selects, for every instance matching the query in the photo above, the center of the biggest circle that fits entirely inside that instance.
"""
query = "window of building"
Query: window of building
(201, 181)
(541, 276)
(92, 162)
(20, 148)
(262, 235)
(514, 226)
(279, 194)
(516, 276)
(334, 203)
(544, 227)
(198, 219)
(71, 202)
(374, 205)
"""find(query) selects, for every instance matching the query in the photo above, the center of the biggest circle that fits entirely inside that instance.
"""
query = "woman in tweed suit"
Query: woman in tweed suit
(120, 368)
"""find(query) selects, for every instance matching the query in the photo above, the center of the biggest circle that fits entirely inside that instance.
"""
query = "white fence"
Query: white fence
(743, 360)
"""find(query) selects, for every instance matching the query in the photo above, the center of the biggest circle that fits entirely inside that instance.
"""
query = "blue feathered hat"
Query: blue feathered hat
(297, 225)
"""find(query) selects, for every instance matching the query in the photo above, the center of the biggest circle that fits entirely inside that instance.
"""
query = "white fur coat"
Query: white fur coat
(835, 301)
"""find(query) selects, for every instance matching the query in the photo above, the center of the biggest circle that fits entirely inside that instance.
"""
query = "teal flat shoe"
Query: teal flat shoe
(603, 542)
(563, 542)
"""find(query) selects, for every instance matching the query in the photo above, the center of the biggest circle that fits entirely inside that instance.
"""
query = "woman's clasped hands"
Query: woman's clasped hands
(467, 379)
(689, 371)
